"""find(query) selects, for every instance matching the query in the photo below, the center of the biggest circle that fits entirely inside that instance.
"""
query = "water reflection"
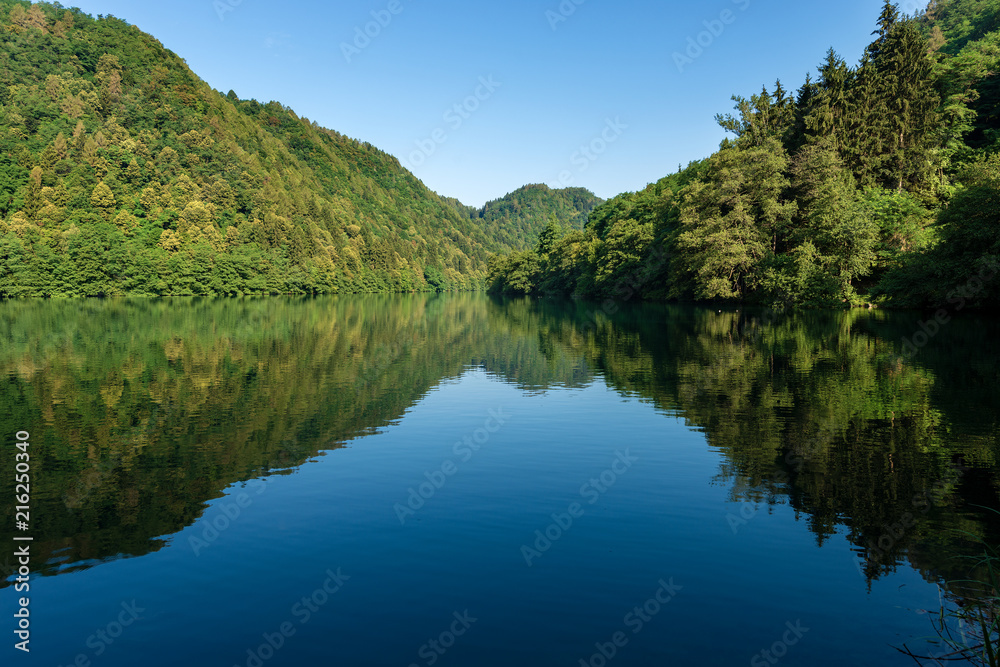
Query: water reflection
(141, 411)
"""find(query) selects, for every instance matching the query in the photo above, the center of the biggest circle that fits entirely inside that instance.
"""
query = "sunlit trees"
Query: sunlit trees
(243, 191)
(731, 223)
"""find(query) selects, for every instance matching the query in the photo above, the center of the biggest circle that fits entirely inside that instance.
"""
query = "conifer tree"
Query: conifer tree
(894, 109)
(548, 237)
(912, 103)
(828, 106)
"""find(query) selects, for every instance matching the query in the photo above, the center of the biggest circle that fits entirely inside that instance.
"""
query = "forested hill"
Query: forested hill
(870, 183)
(121, 172)
(524, 213)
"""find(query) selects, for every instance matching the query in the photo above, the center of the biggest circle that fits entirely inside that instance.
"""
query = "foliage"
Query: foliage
(121, 172)
(517, 218)
(827, 198)
(147, 413)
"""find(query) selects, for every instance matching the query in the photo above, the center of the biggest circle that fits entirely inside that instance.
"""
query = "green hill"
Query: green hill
(523, 214)
(122, 172)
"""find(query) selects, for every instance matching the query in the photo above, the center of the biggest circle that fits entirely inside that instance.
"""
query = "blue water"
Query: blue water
(415, 544)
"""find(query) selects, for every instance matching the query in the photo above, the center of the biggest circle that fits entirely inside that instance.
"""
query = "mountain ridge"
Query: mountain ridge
(124, 173)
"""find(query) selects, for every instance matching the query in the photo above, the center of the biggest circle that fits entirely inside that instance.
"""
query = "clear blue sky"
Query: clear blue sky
(560, 81)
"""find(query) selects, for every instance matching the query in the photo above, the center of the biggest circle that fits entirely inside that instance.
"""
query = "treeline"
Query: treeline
(872, 184)
(121, 172)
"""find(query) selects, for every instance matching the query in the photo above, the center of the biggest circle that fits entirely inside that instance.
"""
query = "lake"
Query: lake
(461, 480)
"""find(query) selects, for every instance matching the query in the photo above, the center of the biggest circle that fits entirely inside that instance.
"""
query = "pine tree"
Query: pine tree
(547, 239)
(912, 109)
(761, 118)
(804, 101)
(894, 109)
(828, 106)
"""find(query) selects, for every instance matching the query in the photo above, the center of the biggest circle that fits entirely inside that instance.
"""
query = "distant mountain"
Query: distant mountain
(122, 172)
(518, 218)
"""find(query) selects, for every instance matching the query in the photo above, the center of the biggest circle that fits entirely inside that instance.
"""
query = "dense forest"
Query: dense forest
(872, 184)
(121, 172)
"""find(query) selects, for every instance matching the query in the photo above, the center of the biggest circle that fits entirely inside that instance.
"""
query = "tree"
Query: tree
(967, 260)
(18, 18)
(62, 27)
(730, 223)
(103, 199)
(761, 118)
(61, 146)
(36, 19)
(894, 103)
(621, 254)
(548, 237)
(828, 107)
(33, 193)
(834, 240)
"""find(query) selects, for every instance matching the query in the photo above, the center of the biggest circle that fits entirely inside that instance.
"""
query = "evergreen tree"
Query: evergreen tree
(548, 237)
(894, 103)
(828, 105)
(912, 104)
(761, 118)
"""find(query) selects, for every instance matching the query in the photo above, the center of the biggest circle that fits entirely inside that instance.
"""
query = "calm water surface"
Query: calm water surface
(457, 480)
